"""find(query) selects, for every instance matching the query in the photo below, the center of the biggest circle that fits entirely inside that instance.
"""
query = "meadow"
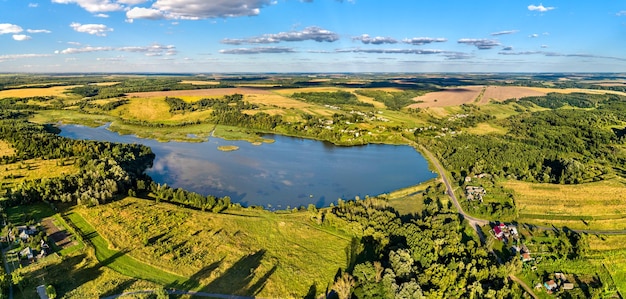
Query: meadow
(14, 173)
(596, 205)
(34, 92)
(6, 149)
(249, 253)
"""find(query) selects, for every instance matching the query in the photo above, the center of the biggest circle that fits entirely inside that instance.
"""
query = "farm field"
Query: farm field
(209, 92)
(597, 205)
(34, 92)
(232, 254)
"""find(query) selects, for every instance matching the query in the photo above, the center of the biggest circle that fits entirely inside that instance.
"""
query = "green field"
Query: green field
(252, 253)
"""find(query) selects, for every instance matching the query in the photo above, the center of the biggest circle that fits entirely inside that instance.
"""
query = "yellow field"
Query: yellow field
(33, 92)
(276, 100)
(486, 128)
(209, 92)
(34, 169)
(604, 242)
(606, 198)
(579, 90)
(6, 149)
(155, 109)
(106, 83)
(192, 82)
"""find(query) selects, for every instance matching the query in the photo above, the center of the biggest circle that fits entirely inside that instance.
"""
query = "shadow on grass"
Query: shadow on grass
(240, 278)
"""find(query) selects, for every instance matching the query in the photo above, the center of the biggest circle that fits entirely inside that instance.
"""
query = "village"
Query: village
(30, 242)
(511, 243)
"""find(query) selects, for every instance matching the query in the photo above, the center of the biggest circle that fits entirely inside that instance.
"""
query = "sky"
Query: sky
(310, 36)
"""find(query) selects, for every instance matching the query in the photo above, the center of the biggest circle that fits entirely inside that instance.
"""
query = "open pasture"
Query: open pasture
(576, 90)
(599, 205)
(225, 253)
(198, 82)
(34, 92)
(209, 92)
(34, 169)
(502, 93)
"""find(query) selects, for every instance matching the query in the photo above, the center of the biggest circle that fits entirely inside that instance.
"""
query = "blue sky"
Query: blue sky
(213, 36)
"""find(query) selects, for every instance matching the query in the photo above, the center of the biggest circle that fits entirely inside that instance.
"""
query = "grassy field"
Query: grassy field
(6, 149)
(33, 92)
(486, 128)
(255, 253)
(117, 260)
(609, 252)
(597, 205)
(35, 168)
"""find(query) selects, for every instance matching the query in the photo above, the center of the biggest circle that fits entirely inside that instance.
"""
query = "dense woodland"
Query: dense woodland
(563, 145)
(429, 255)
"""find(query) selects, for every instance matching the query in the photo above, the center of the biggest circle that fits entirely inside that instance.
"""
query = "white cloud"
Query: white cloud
(418, 41)
(152, 50)
(87, 49)
(534, 35)
(33, 5)
(310, 33)
(621, 13)
(481, 44)
(93, 6)
(21, 37)
(74, 43)
(539, 8)
(378, 40)
(38, 31)
(6, 28)
(93, 29)
(200, 9)
(144, 13)
(504, 32)
(101, 15)
(21, 56)
(390, 51)
(258, 50)
(131, 2)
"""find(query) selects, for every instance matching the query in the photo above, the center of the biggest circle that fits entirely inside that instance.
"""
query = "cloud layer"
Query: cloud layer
(93, 29)
(481, 44)
(310, 33)
(539, 8)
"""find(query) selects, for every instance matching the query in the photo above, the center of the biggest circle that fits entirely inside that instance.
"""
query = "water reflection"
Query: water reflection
(289, 172)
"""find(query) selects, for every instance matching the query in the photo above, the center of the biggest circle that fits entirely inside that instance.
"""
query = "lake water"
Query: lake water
(289, 172)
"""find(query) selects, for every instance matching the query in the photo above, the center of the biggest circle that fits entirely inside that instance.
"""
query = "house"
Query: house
(568, 286)
(513, 230)
(498, 232)
(550, 285)
(27, 253)
(526, 257)
(473, 192)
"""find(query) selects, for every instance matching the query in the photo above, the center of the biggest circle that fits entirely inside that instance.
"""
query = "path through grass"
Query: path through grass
(118, 260)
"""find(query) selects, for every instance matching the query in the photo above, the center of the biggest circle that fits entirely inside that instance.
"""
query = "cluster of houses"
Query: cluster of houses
(505, 233)
(25, 233)
(559, 282)
(475, 193)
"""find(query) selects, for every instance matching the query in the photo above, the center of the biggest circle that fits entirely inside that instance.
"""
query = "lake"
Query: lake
(290, 172)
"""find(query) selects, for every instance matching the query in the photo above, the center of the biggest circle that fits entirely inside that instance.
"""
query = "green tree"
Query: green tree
(51, 292)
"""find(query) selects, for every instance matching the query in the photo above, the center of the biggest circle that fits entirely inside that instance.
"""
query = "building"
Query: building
(550, 285)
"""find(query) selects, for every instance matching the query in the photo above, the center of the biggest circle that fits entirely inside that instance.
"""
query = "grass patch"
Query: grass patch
(6, 149)
(17, 172)
(119, 260)
(34, 92)
(70, 117)
(25, 213)
(252, 253)
(486, 128)
(599, 202)
(227, 148)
